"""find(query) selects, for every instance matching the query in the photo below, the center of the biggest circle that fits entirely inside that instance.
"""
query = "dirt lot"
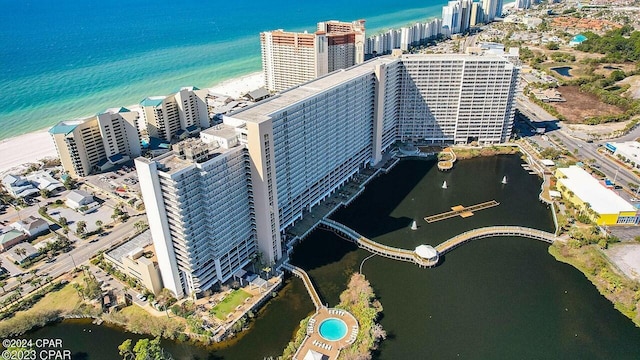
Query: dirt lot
(634, 90)
(581, 105)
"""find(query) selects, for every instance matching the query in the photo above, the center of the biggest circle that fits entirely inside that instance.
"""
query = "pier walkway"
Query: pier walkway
(492, 231)
(450, 244)
(461, 211)
(307, 284)
(377, 248)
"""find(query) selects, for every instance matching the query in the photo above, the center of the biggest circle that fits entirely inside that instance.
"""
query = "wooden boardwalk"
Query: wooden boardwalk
(492, 231)
(307, 284)
(452, 243)
(462, 211)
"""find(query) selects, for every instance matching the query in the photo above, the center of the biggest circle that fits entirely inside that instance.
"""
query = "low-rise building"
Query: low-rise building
(132, 258)
(18, 186)
(44, 181)
(22, 252)
(77, 199)
(32, 226)
(628, 151)
(10, 238)
(601, 204)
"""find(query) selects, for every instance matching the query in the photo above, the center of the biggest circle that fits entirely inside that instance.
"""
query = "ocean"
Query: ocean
(69, 59)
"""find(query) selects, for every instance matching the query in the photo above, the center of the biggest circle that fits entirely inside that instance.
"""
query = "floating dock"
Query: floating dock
(462, 211)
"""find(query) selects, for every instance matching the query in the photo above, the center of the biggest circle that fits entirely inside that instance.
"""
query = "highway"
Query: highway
(585, 150)
(83, 250)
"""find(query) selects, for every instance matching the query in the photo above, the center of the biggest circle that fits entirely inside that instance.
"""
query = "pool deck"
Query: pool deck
(313, 340)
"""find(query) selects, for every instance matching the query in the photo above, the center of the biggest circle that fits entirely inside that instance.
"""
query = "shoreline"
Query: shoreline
(19, 151)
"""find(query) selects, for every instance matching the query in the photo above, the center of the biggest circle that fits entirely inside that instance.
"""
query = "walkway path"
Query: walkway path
(443, 248)
(307, 284)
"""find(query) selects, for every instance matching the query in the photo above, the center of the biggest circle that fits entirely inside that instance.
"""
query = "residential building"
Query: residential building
(404, 38)
(200, 207)
(11, 237)
(136, 258)
(491, 9)
(171, 117)
(79, 145)
(19, 186)
(97, 143)
(44, 181)
(32, 226)
(282, 156)
(601, 204)
(476, 17)
(290, 58)
(77, 199)
(120, 136)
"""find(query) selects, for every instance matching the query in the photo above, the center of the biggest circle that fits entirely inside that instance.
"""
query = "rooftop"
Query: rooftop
(152, 101)
(260, 111)
(590, 190)
(65, 127)
(138, 242)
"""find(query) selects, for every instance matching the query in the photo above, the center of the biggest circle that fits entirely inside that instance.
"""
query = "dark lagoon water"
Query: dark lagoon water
(497, 298)
(564, 70)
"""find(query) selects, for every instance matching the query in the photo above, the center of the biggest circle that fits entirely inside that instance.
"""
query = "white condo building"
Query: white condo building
(198, 200)
(302, 144)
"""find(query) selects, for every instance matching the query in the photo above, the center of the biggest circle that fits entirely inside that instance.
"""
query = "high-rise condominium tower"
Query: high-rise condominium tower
(97, 142)
(290, 58)
(166, 116)
(299, 146)
(200, 207)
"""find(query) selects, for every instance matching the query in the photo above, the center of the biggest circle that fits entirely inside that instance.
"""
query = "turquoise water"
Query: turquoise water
(67, 59)
(333, 329)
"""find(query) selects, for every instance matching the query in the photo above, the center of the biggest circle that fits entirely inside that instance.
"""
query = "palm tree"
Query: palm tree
(22, 252)
(2, 285)
(99, 223)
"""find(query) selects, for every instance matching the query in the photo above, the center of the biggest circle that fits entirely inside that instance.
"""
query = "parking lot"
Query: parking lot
(120, 184)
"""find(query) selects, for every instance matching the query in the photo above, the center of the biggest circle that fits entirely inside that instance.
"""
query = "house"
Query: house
(77, 199)
(44, 181)
(18, 186)
(32, 226)
(11, 237)
(29, 252)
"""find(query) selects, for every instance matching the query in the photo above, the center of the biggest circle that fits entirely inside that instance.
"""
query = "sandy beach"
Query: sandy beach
(24, 149)
(31, 147)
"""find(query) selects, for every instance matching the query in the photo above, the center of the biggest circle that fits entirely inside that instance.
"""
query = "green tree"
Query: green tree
(146, 349)
(2, 285)
(552, 46)
(45, 193)
(81, 228)
(126, 350)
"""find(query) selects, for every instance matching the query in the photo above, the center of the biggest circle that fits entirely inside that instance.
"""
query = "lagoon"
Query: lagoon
(489, 299)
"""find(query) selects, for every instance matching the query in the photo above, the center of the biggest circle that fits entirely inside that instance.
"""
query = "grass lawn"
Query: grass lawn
(65, 300)
(62, 301)
(229, 303)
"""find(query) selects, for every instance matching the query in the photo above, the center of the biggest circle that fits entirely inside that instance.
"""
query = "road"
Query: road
(82, 252)
(585, 150)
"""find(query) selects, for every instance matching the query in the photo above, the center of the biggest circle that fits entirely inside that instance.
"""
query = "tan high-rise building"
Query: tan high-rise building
(166, 116)
(79, 145)
(98, 142)
(289, 58)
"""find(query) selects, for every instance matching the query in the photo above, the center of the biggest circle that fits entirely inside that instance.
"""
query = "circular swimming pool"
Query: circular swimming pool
(333, 329)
